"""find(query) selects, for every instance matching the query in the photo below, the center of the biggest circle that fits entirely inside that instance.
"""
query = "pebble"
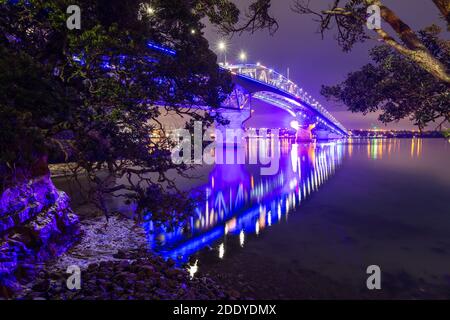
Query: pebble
(136, 275)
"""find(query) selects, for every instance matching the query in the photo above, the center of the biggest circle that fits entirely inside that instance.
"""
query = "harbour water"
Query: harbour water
(332, 210)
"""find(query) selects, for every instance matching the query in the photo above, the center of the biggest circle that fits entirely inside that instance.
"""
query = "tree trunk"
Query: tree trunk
(422, 57)
(40, 167)
(413, 47)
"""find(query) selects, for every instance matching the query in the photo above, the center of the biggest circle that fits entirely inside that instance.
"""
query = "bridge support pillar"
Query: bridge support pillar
(303, 135)
(236, 118)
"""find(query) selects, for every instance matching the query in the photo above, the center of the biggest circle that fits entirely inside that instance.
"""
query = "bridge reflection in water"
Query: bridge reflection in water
(239, 201)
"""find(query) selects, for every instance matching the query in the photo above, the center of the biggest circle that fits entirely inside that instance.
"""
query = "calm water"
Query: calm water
(332, 210)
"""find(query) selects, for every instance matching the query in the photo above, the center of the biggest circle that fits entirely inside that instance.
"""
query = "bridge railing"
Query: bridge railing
(279, 81)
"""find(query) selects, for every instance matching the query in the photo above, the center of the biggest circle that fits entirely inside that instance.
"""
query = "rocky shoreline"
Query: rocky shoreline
(116, 264)
(132, 275)
(36, 224)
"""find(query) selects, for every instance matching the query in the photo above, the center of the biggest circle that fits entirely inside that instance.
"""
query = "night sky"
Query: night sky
(313, 61)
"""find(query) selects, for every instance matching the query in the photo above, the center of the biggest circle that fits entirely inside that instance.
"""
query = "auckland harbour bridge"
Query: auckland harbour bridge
(257, 86)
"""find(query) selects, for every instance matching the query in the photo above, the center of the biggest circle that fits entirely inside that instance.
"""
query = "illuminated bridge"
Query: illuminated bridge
(255, 83)
(257, 86)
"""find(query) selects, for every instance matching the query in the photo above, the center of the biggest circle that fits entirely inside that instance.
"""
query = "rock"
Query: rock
(127, 274)
(6, 292)
(234, 294)
(36, 224)
(170, 262)
(92, 267)
(123, 264)
(41, 286)
(148, 269)
(120, 255)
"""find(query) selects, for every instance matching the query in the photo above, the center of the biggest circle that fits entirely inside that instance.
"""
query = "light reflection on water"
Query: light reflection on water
(387, 204)
(382, 201)
(239, 201)
(377, 148)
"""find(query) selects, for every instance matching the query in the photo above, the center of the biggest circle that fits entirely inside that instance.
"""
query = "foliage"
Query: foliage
(446, 133)
(349, 17)
(397, 87)
(95, 94)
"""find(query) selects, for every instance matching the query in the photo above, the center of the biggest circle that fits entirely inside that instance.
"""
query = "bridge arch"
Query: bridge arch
(267, 85)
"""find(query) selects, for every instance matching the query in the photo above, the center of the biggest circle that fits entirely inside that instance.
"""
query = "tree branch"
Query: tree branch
(444, 8)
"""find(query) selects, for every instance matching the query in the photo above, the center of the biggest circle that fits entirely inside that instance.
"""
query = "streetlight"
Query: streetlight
(222, 46)
(145, 10)
(242, 56)
(150, 10)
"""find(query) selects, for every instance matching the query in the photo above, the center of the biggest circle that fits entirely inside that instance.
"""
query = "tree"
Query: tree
(94, 95)
(32, 102)
(444, 8)
(396, 86)
(349, 17)
(226, 16)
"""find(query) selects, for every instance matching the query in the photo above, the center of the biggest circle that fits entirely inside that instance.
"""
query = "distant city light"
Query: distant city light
(193, 31)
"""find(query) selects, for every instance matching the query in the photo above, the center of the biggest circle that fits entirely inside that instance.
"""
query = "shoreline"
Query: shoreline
(116, 264)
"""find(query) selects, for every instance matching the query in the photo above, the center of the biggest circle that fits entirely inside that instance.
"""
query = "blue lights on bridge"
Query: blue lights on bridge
(285, 93)
(161, 49)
